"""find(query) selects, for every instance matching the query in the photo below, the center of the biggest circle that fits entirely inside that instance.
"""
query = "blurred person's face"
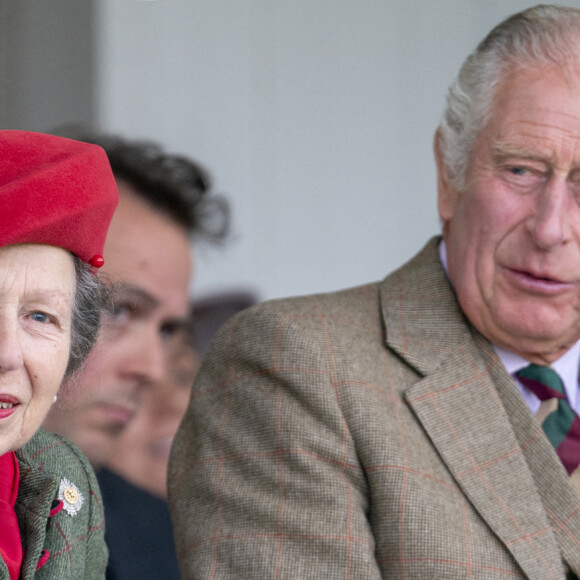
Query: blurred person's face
(148, 262)
(37, 284)
(513, 233)
(142, 451)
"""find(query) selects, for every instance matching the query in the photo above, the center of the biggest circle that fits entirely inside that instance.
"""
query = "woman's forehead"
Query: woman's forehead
(40, 270)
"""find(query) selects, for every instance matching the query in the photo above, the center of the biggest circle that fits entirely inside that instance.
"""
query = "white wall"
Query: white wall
(315, 117)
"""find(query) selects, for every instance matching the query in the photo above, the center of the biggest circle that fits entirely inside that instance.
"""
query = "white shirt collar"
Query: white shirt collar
(443, 256)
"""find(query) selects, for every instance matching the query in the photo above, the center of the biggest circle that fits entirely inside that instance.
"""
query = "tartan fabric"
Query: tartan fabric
(369, 433)
(561, 425)
(69, 547)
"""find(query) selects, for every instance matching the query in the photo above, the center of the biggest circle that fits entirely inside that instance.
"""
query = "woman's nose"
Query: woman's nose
(11, 357)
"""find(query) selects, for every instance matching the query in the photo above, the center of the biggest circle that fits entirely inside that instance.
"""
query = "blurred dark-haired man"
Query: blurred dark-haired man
(164, 204)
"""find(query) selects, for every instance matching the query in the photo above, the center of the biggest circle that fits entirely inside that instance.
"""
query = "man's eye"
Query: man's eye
(121, 313)
(519, 171)
(171, 329)
(122, 310)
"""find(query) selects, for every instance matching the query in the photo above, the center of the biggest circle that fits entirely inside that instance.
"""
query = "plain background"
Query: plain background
(314, 117)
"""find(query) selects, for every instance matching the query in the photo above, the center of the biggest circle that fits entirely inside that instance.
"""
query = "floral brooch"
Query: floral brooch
(71, 497)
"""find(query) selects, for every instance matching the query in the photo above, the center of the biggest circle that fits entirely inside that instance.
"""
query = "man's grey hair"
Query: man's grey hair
(545, 35)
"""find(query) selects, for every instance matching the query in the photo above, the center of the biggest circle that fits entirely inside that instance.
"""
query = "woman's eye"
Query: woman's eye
(40, 317)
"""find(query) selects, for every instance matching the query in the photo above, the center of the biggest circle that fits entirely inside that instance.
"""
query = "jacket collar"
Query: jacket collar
(423, 320)
(476, 418)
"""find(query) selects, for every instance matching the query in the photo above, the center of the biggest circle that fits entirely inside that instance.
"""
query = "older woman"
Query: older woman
(56, 200)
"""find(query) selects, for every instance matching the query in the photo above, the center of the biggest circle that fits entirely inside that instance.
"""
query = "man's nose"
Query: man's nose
(11, 356)
(550, 225)
(147, 358)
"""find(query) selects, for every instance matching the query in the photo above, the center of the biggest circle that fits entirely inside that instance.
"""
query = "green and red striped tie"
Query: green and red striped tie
(559, 421)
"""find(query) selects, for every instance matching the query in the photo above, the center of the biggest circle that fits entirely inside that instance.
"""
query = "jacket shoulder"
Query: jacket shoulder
(70, 537)
(55, 453)
(357, 301)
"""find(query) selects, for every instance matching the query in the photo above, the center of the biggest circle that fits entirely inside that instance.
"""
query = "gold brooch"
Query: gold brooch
(71, 497)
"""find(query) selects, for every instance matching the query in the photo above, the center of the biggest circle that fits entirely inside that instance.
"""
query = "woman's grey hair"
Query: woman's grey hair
(90, 301)
(543, 35)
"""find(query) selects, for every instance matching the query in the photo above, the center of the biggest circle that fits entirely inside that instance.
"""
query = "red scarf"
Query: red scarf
(10, 541)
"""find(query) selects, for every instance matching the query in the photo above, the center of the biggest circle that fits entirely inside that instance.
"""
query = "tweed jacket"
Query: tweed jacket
(369, 433)
(62, 546)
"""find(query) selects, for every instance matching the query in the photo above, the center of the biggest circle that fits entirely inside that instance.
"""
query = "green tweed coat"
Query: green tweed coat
(66, 545)
(365, 434)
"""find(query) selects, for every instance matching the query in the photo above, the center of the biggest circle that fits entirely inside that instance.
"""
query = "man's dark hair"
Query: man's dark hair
(172, 184)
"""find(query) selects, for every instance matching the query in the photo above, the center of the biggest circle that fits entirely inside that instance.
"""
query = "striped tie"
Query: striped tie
(559, 421)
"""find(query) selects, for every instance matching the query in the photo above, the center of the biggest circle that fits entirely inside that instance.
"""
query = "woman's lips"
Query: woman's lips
(8, 405)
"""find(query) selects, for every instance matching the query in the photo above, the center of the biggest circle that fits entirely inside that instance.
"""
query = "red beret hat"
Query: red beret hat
(55, 191)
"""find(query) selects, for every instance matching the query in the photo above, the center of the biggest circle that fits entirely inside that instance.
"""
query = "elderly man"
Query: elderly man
(164, 201)
(397, 430)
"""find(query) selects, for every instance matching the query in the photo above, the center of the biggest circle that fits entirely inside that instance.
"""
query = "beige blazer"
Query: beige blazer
(368, 433)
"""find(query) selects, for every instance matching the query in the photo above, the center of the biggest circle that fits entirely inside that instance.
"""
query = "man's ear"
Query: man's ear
(447, 194)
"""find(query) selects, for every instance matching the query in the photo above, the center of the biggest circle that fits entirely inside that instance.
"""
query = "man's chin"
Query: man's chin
(524, 338)
(159, 448)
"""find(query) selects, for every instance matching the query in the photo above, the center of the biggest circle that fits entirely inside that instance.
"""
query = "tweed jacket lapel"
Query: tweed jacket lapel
(562, 506)
(35, 496)
(469, 407)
